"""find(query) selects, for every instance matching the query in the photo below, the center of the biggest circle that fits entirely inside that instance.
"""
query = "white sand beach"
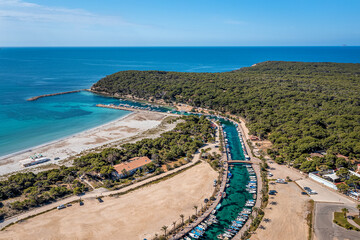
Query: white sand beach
(134, 124)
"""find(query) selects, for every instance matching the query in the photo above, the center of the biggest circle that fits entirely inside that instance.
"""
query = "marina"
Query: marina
(239, 196)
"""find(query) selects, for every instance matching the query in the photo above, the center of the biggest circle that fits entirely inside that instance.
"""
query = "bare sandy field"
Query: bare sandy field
(136, 215)
(287, 217)
(287, 214)
(129, 126)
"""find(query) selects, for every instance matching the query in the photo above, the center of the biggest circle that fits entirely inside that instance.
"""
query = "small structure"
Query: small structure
(332, 176)
(318, 177)
(253, 138)
(131, 166)
(34, 161)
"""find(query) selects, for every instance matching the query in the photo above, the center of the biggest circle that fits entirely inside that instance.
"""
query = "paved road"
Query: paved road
(325, 229)
(324, 194)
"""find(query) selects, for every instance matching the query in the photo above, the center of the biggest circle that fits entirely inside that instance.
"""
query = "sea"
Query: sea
(28, 72)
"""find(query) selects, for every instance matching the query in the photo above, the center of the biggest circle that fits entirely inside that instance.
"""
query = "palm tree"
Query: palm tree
(164, 228)
(358, 207)
(195, 207)
(182, 218)
(345, 211)
(174, 224)
(256, 209)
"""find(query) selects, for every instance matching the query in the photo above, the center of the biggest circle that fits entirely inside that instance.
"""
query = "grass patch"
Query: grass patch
(309, 218)
(357, 220)
(339, 219)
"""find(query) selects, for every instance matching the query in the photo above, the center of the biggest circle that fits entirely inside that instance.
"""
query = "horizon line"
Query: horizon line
(174, 46)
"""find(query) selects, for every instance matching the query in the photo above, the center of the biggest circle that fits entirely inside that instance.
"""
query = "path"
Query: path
(256, 166)
(101, 192)
(224, 159)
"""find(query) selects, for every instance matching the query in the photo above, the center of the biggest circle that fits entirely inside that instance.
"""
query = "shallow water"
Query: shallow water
(28, 72)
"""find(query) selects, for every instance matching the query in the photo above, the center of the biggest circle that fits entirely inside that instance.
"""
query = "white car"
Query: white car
(61, 207)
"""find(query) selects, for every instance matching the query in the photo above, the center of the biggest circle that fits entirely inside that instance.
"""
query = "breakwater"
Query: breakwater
(52, 94)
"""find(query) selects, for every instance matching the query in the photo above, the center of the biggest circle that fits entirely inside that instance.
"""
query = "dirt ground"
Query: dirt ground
(136, 215)
(287, 214)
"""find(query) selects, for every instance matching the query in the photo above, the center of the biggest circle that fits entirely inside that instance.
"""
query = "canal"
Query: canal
(236, 194)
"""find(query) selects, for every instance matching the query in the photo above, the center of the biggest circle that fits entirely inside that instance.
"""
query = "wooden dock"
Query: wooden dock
(218, 196)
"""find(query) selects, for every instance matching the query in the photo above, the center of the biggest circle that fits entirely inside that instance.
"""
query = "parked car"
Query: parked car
(279, 180)
(61, 207)
(272, 192)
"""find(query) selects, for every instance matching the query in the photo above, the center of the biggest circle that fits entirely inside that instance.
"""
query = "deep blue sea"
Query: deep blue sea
(27, 72)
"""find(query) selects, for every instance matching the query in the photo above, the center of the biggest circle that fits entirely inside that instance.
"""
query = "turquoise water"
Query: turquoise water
(28, 72)
(236, 149)
(27, 125)
(236, 197)
(236, 194)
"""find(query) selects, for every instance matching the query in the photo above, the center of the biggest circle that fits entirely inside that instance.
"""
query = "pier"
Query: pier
(52, 94)
(211, 208)
(227, 160)
(112, 106)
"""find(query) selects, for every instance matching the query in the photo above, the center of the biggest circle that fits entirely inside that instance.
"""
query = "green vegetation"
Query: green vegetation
(340, 219)
(300, 107)
(32, 190)
(357, 220)
(309, 218)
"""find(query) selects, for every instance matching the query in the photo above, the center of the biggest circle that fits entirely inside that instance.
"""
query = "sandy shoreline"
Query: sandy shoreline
(124, 127)
(29, 150)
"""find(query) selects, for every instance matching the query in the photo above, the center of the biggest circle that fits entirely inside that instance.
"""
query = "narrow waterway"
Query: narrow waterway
(232, 135)
(231, 206)
(236, 194)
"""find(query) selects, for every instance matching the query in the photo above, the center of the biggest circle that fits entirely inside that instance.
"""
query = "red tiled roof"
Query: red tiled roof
(132, 164)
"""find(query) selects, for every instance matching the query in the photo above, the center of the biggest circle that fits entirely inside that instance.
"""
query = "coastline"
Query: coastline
(61, 139)
(65, 148)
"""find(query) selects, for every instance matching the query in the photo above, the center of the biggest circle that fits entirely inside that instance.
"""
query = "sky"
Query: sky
(179, 23)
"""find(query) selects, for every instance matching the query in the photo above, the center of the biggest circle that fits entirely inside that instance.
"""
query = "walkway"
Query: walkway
(101, 192)
(188, 228)
(256, 166)
(352, 222)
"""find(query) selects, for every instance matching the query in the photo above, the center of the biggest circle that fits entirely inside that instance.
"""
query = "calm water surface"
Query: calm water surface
(27, 72)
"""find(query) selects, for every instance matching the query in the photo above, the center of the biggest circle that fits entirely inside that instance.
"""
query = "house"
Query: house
(131, 166)
(254, 138)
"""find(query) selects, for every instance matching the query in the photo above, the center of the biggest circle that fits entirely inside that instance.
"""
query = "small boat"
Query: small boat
(193, 235)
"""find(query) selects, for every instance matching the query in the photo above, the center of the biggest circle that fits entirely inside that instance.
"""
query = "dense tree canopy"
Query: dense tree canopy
(300, 107)
(36, 189)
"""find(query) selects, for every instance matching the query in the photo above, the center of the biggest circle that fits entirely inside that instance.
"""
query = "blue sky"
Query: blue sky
(179, 23)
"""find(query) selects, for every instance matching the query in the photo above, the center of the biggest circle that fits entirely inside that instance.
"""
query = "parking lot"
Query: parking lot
(324, 194)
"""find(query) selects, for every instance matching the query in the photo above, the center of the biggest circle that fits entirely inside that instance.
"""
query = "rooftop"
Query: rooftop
(132, 164)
